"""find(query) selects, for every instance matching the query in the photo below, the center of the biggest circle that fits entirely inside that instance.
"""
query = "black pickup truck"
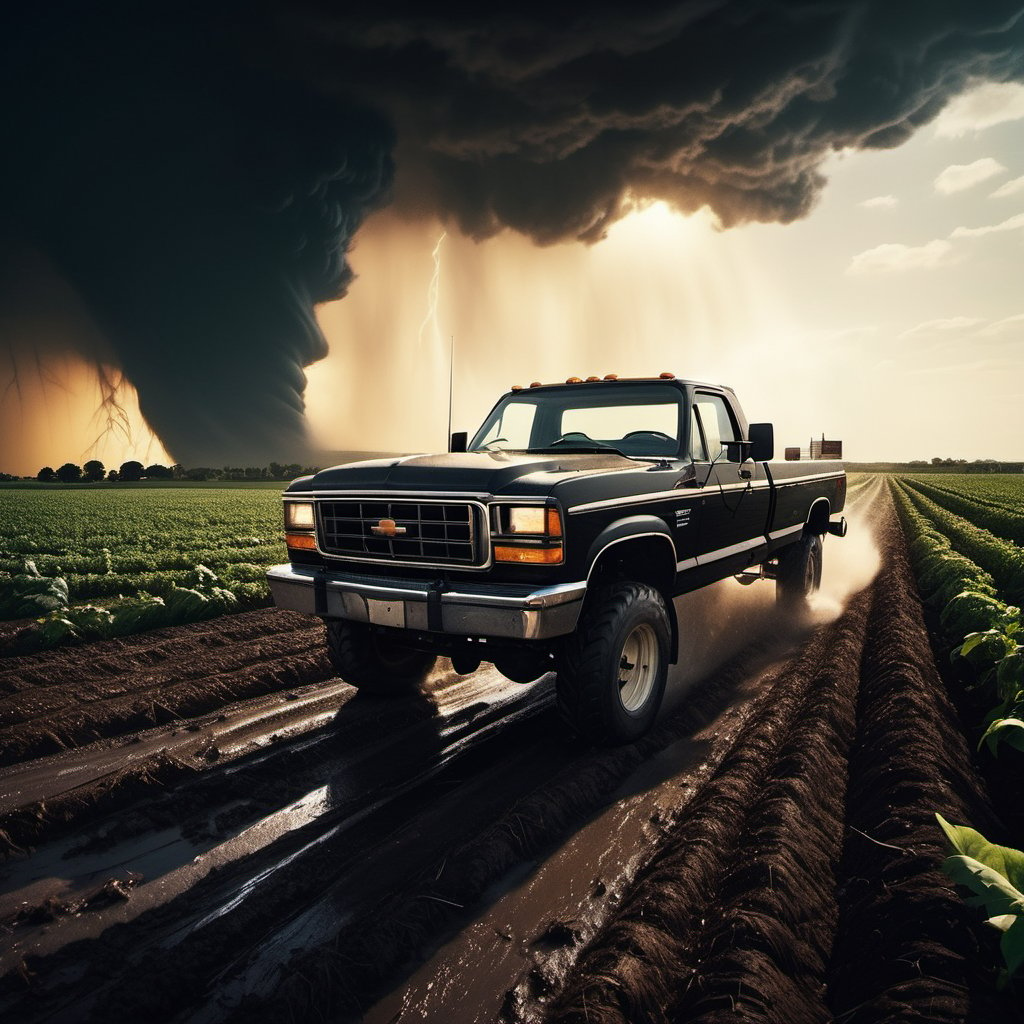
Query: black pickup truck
(556, 542)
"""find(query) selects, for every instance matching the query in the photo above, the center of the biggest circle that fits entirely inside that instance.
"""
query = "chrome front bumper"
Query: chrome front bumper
(498, 610)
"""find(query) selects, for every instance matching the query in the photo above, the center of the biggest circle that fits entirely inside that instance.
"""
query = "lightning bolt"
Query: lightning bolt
(430, 320)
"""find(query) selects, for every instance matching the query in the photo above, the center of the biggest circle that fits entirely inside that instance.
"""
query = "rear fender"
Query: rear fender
(818, 516)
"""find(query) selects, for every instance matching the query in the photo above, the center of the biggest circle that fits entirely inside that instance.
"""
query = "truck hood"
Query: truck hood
(466, 472)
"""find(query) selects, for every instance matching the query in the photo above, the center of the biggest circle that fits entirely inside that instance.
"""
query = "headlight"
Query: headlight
(298, 515)
(526, 520)
(540, 529)
(535, 520)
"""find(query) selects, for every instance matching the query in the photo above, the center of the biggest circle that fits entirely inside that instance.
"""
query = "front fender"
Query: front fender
(631, 528)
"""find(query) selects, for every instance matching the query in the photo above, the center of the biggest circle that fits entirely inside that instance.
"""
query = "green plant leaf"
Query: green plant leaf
(1004, 730)
(1002, 921)
(972, 640)
(992, 892)
(1005, 862)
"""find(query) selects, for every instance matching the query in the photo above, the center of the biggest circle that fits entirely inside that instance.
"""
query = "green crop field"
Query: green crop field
(97, 562)
(965, 536)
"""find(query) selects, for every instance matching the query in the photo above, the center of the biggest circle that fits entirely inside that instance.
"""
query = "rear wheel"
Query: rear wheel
(613, 668)
(799, 572)
(374, 663)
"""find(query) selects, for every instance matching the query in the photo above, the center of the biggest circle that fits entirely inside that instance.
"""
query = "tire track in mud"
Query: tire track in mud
(528, 788)
(794, 897)
(334, 781)
(714, 913)
(76, 696)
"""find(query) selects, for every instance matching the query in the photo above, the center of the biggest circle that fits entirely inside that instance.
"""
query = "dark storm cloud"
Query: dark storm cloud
(199, 176)
(200, 204)
(546, 124)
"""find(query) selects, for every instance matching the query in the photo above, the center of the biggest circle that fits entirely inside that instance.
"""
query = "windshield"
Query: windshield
(638, 420)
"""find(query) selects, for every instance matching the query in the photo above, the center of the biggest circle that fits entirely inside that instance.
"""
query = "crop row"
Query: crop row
(1003, 489)
(987, 634)
(985, 630)
(999, 520)
(1003, 559)
(93, 564)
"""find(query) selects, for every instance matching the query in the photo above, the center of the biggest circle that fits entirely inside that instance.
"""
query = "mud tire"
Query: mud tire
(622, 618)
(799, 572)
(373, 664)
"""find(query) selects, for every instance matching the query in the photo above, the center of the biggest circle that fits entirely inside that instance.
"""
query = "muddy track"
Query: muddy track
(282, 849)
(77, 695)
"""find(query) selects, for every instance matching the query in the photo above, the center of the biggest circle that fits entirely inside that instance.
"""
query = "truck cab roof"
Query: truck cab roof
(611, 380)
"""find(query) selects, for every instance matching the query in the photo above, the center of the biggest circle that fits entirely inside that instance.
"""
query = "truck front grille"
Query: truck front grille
(427, 532)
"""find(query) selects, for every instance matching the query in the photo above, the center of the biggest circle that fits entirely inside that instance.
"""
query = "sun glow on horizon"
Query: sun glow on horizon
(61, 408)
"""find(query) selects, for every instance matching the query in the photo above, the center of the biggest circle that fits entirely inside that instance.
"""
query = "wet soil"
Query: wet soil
(817, 896)
(203, 824)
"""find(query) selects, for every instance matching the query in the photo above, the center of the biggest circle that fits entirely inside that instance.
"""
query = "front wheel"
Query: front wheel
(375, 664)
(613, 668)
(799, 572)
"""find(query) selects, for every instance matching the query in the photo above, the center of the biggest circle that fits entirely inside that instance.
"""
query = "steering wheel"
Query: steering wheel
(651, 433)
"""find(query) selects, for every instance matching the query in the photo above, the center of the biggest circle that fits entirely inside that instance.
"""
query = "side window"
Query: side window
(717, 422)
(697, 452)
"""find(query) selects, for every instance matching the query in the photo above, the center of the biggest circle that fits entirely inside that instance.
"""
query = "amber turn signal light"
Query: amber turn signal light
(542, 556)
(553, 523)
(305, 541)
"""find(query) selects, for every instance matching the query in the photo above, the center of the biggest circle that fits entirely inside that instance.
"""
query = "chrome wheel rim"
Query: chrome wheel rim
(809, 573)
(811, 570)
(638, 667)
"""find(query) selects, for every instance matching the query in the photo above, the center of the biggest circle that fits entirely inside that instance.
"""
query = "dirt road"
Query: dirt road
(202, 824)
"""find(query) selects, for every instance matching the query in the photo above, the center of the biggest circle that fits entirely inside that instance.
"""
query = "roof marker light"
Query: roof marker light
(535, 384)
(517, 387)
(611, 376)
(666, 376)
(589, 379)
(574, 380)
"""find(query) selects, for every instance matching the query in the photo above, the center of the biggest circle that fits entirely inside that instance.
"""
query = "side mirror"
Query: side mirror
(458, 441)
(762, 442)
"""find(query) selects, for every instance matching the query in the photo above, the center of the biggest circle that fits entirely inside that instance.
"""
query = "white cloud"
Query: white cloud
(1011, 224)
(961, 176)
(879, 203)
(1007, 325)
(1010, 188)
(982, 107)
(895, 257)
(955, 323)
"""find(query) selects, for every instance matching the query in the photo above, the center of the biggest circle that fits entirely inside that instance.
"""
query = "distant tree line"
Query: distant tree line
(94, 471)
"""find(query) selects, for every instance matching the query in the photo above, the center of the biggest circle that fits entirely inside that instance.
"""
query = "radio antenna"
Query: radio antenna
(451, 380)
